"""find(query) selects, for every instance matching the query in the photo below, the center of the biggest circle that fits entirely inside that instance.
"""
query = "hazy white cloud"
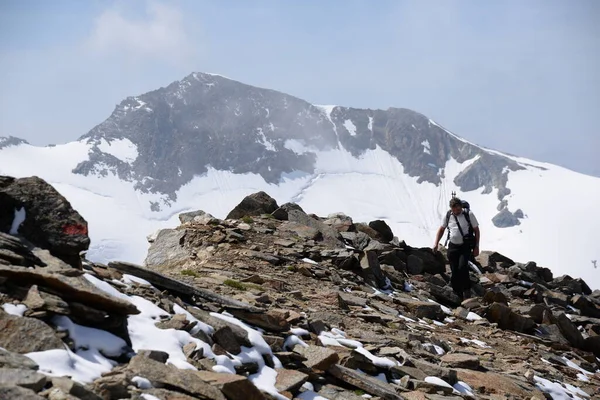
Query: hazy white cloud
(159, 34)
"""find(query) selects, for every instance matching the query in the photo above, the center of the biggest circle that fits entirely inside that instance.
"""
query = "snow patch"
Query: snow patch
(17, 221)
(426, 146)
(559, 390)
(123, 149)
(12, 309)
(349, 125)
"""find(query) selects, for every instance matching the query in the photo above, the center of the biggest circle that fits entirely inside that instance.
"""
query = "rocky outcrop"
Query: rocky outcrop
(254, 205)
(44, 217)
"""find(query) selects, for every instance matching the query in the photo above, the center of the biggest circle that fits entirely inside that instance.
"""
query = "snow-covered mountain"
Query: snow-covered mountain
(207, 141)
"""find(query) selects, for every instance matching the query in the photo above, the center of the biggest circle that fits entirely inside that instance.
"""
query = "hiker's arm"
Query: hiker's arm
(438, 237)
(477, 236)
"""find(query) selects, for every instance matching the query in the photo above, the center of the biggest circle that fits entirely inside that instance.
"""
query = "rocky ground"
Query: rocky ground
(276, 303)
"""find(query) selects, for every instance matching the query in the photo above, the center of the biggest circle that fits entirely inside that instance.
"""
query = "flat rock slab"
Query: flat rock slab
(372, 386)
(8, 359)
(76, 289)
(289, 380)
(17, 392)
(500, 385)
(460, 360)
(39, 336)
(318, 358)
(24, 378)
(234, 387)
(187, 381)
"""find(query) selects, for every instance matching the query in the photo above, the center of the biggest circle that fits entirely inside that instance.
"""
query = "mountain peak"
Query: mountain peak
(210, 120)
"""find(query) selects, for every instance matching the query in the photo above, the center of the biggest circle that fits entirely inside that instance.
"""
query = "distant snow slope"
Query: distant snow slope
(558, 230)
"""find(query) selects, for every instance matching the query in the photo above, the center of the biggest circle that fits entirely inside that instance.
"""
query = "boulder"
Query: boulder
(346, 301)
(72, 388)
(569, 330)
(414, 265)
(167, 249)
(282, 212)
(18, 393)
(340, 222)
(8, 359)
(444, 295)
(592, 344)
(421, 309)
(48, 220)
(502, 386)
(289, 380)
(24, 378)
(234, 387)
(430, 263)
(272, 320)
(184, 380)
(369, 384)
(40, 337)
(569, 285)
(253, 205)
(330, 236)
(195, 216)
(541, 314)
(366, 229)
(14, 252)
(302, 231)
(71, 289)
(317, 358)
(460, 360)
(358, 240)
(383, 229)
(508, 319)
(371, 270)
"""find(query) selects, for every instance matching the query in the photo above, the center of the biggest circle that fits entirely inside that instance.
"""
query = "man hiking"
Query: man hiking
(463, 234)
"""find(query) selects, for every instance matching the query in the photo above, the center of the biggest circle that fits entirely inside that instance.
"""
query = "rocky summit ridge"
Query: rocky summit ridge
(276, 303)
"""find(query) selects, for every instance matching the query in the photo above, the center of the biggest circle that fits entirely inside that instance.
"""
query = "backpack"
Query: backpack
(466, 209)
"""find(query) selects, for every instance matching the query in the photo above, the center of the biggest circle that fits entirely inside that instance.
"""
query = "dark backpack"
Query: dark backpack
(466, 209)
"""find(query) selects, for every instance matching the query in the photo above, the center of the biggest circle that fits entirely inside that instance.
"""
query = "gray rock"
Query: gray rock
(49, 220)
(167, 249)
(254, 205)
(330, 236)
(346, 301)
(460, 360)
(39, 336)
(358, 240)
(506, 219)
(371, 270)
(290, 380)
(9, 359)
(25, 378)
(187, 381)
(9, 392)
(188, 217)
(369, 384)
(317, 358)
(234, 387)
(508, 319)
(570, 331)
(73, 388)
(421, 309)
(384, 230)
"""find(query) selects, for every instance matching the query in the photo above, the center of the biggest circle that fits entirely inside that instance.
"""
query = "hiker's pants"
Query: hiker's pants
(459, 256)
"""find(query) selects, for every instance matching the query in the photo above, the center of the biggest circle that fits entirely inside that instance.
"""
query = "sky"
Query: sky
(521, 77)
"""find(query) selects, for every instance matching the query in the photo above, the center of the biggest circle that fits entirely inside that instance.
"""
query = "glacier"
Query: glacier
(558, 230)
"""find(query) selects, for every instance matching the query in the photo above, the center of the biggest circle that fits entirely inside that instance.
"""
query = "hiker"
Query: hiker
(463, 235)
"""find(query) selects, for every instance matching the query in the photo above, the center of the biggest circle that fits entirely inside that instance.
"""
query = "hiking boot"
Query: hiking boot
(466, 294)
